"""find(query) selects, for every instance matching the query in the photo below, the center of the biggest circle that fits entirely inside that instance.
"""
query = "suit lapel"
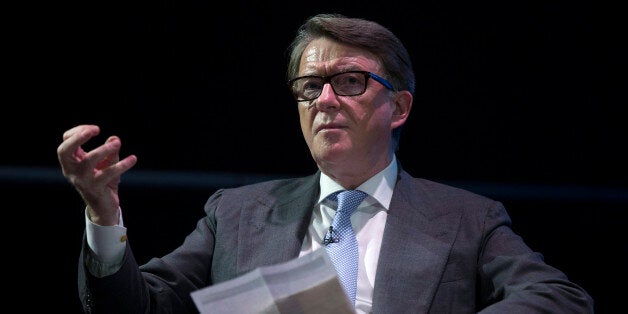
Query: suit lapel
(273, 231)
(415, 246)
(416, 243)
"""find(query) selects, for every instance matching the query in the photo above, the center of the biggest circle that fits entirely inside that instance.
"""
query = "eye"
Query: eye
(312, 84)
(349, 79)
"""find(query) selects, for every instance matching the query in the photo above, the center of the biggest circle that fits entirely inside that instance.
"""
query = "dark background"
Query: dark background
(522, 101)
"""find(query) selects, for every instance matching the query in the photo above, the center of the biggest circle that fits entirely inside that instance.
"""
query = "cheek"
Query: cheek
(374, 118)
(376, 124)
(305, 118)
(384, 115)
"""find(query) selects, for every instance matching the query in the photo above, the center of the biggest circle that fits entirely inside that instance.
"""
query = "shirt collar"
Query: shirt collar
(380, 186)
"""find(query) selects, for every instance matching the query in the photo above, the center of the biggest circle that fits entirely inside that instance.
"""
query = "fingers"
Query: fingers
(100, 164)
(96, 173)
(114, 158)
(70, 149)
(105, 155)
(106, 159)
(85, 128)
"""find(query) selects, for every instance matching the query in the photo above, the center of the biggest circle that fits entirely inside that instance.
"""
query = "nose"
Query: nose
(327, 99)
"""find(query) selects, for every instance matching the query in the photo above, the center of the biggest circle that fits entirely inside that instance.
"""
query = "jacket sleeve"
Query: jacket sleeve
(515, 279)
(162, 285)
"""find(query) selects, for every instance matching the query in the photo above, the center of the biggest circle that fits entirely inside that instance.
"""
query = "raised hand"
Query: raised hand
(94, 174)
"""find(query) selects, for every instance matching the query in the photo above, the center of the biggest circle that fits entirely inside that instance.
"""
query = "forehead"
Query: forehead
(325, 56)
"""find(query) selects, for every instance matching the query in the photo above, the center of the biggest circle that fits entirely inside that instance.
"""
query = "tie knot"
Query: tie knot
(348, 200)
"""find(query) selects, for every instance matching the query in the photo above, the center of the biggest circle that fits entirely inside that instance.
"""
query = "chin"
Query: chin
(330, 154)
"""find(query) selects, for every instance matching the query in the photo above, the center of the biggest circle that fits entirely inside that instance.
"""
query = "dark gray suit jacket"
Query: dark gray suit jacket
(444, 250)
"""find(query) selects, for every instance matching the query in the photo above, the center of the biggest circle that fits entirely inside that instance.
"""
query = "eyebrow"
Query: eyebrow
(341, 70)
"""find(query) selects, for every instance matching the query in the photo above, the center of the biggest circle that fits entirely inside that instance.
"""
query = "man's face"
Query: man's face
(347, 135)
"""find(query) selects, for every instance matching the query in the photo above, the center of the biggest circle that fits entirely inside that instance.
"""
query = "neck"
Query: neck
(353, 173)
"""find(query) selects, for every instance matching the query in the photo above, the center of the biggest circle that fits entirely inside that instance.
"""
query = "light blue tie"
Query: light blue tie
(340, 241)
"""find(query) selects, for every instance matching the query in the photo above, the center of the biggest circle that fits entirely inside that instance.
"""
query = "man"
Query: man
(423, 246)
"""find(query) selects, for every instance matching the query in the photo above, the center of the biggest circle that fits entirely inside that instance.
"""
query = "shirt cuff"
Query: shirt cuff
(106, 243)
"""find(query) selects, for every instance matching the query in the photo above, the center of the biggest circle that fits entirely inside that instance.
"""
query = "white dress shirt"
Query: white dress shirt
(368, 222)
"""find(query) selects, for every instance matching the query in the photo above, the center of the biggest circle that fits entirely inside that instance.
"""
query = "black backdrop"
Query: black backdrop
(521, 101)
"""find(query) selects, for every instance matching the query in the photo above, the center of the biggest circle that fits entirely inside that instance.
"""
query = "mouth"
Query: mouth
(328, 127)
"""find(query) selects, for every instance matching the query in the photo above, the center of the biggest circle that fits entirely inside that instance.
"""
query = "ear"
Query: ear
(402, 100)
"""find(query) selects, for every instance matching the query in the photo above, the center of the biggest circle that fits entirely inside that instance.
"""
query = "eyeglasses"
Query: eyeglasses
(350, 83)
